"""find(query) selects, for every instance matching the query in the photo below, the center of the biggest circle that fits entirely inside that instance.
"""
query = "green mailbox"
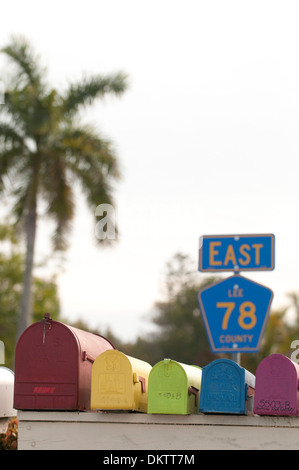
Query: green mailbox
(173, 388)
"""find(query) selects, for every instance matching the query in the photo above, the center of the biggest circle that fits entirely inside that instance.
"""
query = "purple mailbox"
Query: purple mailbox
(276, 387)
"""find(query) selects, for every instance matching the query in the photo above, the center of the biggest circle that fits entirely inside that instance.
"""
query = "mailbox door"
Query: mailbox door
(276, 390)
(168, 388)
(223, 388)
(119, 382)
(6, 393)
(53, 366)
(112, 382)
(46, 368)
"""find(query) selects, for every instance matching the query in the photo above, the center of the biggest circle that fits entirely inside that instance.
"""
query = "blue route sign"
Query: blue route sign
(236, 253)
(235, 313)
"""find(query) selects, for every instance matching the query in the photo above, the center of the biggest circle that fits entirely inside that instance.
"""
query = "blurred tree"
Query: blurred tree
(181, 333)
(293, 326)
(44, 150)
(294, 298)
(11, 275)
(275, 340)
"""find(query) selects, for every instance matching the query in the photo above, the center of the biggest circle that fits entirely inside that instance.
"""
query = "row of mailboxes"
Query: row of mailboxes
(58, 367)
(170, 387)
(227, 388)
(120, 382)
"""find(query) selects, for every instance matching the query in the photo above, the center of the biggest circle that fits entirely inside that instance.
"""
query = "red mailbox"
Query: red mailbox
(53, 363)
(276, 387)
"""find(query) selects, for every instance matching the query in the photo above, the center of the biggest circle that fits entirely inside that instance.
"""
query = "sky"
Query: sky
(207, 137)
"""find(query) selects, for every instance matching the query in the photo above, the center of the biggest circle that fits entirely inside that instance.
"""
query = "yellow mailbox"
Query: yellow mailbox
(119, 382)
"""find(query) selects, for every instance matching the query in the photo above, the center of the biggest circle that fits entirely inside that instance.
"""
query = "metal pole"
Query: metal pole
(236, 357)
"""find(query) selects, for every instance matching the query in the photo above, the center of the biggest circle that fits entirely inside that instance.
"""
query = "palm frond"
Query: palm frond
(58, 193)
(90, 151)
(10, 136)
(13, 151)
(84, 92)
(93, 162)
(21, 54)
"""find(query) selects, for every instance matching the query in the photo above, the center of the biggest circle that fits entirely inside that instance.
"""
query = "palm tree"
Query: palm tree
(45, 150)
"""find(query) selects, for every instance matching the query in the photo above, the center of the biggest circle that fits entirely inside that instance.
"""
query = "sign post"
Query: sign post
(235, 310)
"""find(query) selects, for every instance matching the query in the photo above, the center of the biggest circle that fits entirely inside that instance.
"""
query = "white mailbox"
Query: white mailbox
(6, 393)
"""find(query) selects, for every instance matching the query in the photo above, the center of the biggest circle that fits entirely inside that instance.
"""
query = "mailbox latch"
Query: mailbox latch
(194, 391)
(141, 380)
(87, 357)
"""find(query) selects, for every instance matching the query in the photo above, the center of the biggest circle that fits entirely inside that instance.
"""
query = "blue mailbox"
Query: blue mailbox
(226, 388)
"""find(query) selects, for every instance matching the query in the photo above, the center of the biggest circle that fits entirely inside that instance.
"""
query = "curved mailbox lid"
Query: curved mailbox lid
(6, 393)
(53, 366)
(225, 387)
(277, 386)
(174, 388)
(119, 382)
